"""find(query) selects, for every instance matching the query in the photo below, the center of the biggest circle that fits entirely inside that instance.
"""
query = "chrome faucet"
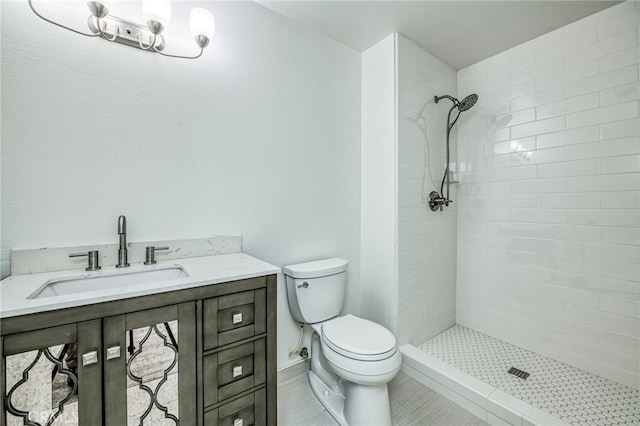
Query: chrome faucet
(122, 251)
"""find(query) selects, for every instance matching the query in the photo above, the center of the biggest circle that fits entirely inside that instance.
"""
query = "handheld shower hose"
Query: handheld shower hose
(438, 199)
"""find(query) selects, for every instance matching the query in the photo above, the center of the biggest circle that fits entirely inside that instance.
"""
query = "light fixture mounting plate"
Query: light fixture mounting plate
(124, 31)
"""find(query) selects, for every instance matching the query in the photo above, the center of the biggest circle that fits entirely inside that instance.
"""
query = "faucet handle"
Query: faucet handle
(92, 257)
(150, 257)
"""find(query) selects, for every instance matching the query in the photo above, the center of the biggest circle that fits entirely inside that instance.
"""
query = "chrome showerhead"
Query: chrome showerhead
(467, 102)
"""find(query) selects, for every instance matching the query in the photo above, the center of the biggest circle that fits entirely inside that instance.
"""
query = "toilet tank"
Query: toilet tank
(316, 289)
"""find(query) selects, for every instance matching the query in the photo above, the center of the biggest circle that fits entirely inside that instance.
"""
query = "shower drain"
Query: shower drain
(518, 373)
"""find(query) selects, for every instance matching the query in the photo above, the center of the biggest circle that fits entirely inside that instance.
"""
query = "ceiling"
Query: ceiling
(460, 33)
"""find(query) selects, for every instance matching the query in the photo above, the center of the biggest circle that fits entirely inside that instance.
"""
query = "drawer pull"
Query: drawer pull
(237, 371)
(237, 422)
(113, 352)
(90, 358)
(237, 318)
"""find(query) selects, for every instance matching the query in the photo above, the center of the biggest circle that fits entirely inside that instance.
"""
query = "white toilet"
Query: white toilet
(352, 359)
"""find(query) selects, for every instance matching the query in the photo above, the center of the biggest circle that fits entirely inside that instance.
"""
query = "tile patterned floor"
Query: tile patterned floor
(412, 404)
(571, 394)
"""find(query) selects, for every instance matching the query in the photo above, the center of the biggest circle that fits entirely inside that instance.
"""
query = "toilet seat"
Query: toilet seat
(358, 338)
(359, 350)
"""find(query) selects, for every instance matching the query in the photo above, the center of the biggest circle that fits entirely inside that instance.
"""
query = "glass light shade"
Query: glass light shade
(203, 23)
(157, 10)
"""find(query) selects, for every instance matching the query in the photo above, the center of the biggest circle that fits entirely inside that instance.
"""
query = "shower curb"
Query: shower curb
(487, 402)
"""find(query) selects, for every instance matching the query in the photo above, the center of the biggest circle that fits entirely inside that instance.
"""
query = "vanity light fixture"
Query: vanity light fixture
(147, 37)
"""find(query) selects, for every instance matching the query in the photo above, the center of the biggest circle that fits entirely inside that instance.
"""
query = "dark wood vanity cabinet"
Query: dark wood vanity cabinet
(235, 358)
(199, 356)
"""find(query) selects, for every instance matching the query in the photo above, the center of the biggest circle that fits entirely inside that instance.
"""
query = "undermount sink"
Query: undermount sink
(107, 280)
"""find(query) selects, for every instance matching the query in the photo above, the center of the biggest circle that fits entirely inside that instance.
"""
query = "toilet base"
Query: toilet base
(366, 406)
(351, 404)
(331, 400)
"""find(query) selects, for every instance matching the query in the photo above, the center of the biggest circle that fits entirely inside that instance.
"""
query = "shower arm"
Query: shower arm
(451, 98)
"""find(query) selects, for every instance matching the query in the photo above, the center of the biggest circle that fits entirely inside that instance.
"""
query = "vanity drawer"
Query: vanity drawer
(233, 370)
(246, 411)
(234, 317)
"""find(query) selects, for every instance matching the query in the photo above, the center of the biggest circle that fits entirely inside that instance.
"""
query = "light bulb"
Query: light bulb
(203, 26)
(157, 11)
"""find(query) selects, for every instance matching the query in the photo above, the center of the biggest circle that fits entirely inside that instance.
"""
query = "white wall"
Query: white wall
(549, 210)
(408, 252)
(260, 137)
(379, 184)
(427, 240)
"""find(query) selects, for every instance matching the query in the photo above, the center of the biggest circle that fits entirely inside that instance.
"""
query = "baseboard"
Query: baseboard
(293, 370)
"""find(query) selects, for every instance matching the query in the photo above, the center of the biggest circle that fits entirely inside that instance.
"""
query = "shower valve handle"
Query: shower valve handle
(436, 201)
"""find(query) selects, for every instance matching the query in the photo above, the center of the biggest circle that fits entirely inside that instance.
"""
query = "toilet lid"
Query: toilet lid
(358, 338)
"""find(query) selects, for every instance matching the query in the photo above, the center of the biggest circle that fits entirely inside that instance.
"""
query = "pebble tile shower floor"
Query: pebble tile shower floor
(568, 393)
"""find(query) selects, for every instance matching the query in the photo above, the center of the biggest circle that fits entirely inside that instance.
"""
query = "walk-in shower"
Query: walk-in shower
(534, 269)
(438, 199)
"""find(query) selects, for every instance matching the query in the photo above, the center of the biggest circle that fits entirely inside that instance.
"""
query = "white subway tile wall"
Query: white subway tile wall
(549, 205)
(427, 240)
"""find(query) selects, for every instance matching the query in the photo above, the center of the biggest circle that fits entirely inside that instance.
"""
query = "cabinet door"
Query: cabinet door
(53, 376)
(150, 367)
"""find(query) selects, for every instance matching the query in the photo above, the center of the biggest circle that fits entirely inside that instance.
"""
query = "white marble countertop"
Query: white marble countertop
(15, 290)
